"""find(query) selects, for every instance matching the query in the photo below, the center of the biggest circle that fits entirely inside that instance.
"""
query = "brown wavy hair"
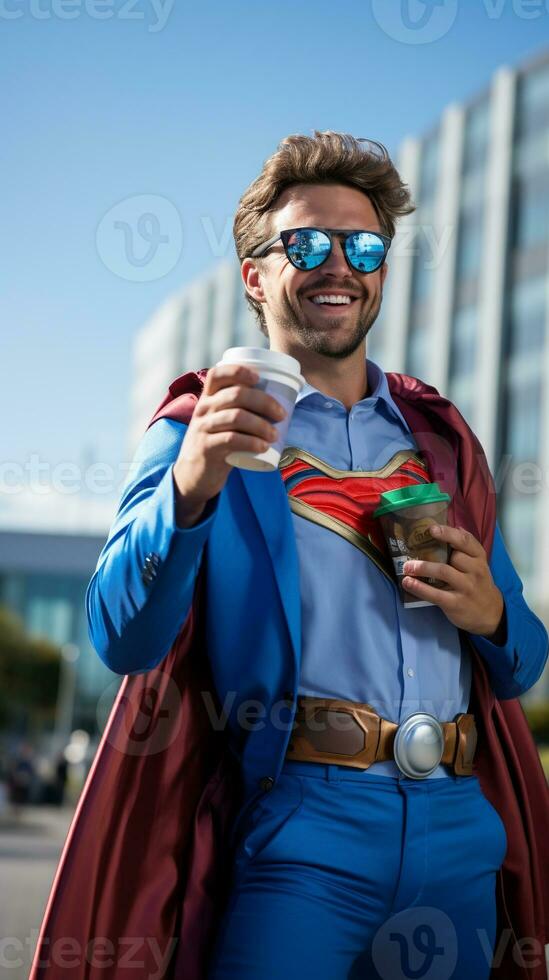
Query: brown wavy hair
(324, 158)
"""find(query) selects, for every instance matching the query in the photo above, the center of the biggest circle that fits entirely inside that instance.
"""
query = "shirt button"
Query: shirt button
(327, 404)
(410, 672)
(266, 783)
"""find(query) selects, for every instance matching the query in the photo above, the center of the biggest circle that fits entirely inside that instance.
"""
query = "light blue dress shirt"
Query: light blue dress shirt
(358, 640)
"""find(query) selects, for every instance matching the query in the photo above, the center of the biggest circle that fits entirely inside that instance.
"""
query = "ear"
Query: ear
(384, 271)
(251, 277)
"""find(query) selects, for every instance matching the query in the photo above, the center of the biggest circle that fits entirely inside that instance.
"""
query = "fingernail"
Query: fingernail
(435, 529)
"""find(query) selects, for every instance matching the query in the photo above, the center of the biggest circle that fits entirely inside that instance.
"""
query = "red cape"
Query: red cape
(144, 872)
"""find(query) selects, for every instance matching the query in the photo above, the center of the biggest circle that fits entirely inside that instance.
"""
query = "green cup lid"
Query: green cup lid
(420, 493)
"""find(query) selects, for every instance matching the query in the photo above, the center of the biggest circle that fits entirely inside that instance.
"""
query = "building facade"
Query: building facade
(43, 579)
(465, 307)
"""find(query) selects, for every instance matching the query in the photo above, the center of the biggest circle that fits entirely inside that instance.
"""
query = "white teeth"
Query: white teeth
(335, 300)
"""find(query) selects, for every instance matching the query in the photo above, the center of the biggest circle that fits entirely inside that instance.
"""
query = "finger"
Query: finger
(440, 597)
(238, 442)
(462, 561)
(222, 375)
(435, 569)
(460, 539)
(239, 420)
(253, 399)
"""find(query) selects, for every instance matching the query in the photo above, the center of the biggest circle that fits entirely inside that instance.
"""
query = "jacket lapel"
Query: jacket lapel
(269, 501)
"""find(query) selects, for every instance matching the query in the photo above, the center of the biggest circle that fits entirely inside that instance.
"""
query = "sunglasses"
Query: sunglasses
(308, 248)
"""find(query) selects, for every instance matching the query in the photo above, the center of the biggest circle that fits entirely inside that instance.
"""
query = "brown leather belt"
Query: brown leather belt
(350, 733)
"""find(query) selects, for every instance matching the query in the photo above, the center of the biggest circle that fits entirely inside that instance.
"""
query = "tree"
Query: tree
(29, 675)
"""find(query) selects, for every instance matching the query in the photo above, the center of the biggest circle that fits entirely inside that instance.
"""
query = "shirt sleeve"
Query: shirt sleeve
(517, 664)
(136, 607)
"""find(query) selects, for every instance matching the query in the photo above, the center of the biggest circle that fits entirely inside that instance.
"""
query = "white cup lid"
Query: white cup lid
(270, 358)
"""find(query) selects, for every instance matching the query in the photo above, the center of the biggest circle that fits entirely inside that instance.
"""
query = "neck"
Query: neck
(347, 381)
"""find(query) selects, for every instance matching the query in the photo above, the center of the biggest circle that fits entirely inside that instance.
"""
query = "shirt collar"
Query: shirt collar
(377, 389)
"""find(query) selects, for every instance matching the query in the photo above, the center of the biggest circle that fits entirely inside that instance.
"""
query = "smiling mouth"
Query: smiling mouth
(333, 308)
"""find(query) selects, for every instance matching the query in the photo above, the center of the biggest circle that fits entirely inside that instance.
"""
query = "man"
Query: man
(344, 861)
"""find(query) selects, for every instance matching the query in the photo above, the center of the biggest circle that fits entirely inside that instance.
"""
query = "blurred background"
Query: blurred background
(130, 131)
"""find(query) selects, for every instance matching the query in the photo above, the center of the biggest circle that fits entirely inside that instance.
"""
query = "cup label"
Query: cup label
(420, 533)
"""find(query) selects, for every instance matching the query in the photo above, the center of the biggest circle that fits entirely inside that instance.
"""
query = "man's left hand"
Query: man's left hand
(471, 600)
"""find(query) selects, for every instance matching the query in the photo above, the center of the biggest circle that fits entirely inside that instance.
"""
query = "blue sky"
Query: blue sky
(108, 100)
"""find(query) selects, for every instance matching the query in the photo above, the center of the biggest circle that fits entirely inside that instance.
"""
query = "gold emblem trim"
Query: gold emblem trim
(310, 513)
(291, 453)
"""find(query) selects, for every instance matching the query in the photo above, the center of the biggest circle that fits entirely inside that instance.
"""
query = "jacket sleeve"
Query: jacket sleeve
(133, 619)
(518, 663)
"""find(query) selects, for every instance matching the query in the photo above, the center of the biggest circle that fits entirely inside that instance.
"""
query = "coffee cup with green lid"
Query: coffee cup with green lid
(405, 516)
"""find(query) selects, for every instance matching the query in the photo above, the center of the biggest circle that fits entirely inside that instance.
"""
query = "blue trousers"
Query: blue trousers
(380, 878)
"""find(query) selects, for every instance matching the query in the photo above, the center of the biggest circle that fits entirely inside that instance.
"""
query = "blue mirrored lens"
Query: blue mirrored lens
(307, 248)
(365, 251)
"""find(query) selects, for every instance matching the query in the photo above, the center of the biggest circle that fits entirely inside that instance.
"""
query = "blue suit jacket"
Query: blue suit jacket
(253, 614)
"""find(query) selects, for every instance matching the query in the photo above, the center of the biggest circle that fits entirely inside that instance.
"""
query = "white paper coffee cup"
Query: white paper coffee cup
(280, 376)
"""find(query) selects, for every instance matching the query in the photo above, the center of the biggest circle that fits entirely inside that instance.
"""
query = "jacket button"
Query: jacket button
(266, 783)
(150, 568)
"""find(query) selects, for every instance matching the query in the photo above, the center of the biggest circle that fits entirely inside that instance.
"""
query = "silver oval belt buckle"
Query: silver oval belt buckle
(419, 745)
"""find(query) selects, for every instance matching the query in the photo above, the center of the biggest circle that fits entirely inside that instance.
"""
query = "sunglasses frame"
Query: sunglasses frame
(340, 233)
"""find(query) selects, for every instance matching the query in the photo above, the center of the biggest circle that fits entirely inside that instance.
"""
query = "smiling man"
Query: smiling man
(346, 858)
(322, 316)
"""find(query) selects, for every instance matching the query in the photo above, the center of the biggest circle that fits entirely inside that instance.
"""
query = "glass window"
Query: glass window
(519, 524)
(523, 418)
(422, 276)
(462, 394)
(209, 321)
(182, 335)
(473, 189)
(51, 618)
(532, 155)
(532, 213)
(533, 99)
(464, 342)
(428, 167)
(469, 250)
(476, 137)
(528, 315)
(417, 351)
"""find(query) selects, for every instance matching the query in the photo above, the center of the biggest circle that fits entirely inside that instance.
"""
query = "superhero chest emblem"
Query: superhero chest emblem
(344, 500)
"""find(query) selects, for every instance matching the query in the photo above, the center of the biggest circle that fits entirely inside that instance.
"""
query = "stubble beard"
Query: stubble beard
(295, 323)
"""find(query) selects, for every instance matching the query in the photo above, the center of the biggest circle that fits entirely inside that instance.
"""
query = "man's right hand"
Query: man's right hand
(230, 415)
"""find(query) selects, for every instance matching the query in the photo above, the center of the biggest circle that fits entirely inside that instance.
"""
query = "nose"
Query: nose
(336, 263)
